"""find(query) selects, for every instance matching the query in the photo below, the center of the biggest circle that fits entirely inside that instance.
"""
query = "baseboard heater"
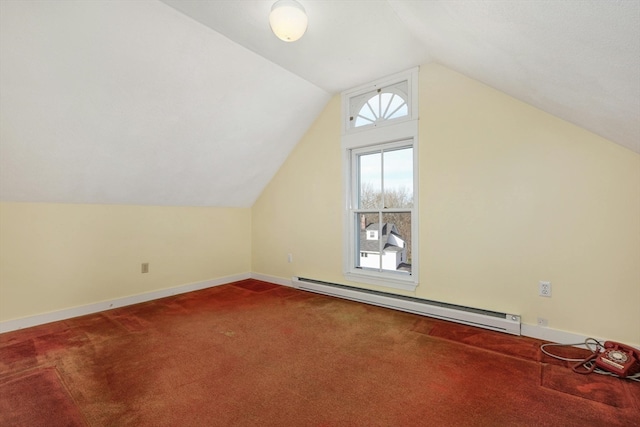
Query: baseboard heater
(495, 321)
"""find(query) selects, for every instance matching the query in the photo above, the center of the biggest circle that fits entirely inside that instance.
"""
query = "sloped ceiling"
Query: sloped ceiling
(196, 103)
(135, 103)
(576, 59)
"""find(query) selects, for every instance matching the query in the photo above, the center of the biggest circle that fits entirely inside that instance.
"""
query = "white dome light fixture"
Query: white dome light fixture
(288, 20)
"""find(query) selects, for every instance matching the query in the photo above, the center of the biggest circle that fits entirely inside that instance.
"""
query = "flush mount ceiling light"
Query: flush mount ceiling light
(288, 20)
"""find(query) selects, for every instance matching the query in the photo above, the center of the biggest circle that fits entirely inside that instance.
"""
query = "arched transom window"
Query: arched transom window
(380, 105)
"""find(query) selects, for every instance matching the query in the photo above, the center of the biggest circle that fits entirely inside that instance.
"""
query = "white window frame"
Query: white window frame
(402, 131)
(411, 76)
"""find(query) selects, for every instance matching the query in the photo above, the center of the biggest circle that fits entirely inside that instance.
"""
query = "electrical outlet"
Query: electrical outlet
(289, 258)
(145, 267)
(544, 289)
(543, 322)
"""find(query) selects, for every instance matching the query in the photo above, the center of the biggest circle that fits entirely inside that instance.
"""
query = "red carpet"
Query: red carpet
(52, 406)
(254, 353)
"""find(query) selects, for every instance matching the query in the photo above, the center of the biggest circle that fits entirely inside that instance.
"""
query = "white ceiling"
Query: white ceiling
(576, 59)
(135, 103)
(186, 102)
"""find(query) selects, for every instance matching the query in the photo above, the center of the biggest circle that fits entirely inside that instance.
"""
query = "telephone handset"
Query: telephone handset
(619, 359)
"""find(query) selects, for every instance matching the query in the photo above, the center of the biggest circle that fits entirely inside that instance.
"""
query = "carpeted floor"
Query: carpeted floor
(256, 354)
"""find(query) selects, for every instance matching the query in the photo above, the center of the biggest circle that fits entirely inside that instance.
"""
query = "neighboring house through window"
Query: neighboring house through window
(389, 251)
(380, 143)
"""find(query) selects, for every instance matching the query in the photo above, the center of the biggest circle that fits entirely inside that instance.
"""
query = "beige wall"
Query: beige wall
(509, 196)
(300, 211)
(59, 256)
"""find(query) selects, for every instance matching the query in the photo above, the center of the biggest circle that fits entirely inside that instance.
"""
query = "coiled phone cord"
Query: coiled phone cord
(588, 363)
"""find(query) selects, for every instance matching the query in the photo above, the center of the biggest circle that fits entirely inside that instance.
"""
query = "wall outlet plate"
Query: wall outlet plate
(544, 289)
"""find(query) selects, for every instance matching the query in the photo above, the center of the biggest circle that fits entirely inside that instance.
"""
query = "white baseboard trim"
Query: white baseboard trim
(54, 316)
(554, 335)
(273, 279)
(532, 331)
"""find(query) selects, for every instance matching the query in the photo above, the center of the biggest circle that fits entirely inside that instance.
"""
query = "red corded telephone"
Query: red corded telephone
(619, 359)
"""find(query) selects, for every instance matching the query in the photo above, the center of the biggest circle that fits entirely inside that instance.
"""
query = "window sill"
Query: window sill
(389, 282)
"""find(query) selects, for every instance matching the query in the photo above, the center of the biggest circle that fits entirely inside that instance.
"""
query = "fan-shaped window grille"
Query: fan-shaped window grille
(374, 107)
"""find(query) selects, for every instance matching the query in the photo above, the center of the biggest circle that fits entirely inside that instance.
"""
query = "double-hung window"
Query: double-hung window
(380, 145)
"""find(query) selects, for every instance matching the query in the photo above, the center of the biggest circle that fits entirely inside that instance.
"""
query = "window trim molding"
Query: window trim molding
(396, 132)
(411, 76)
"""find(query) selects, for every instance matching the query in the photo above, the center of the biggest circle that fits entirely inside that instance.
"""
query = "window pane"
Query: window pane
(373, 105)
(379, 105)
(362, 121)
(368, 244)
(370, 181)
(386, 99)
(393, 109)
(396, 241)
(369, 111)
(398, 178)
(400, 112)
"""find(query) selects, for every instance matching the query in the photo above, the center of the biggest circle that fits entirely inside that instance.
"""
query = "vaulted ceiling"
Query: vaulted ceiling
(191, 102)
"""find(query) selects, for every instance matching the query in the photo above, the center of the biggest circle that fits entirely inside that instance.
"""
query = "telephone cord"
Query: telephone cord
(588, 362)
